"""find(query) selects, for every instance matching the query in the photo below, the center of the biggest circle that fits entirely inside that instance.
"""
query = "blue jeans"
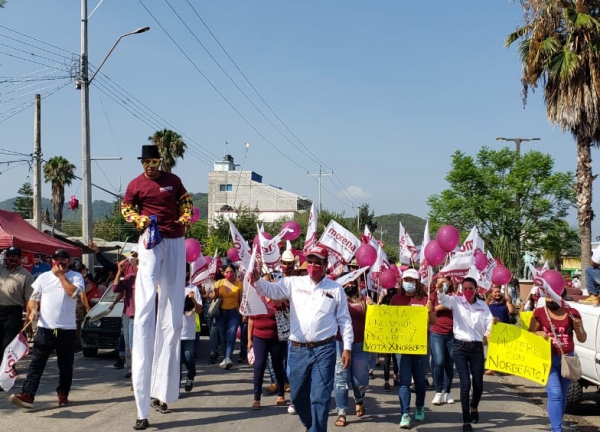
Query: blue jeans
(469, 361)
(443, 365)
(411, 365)
(592, 280)
(311, 381)
(357, 376)
(557, 389)
(187, 357)
(228, 322)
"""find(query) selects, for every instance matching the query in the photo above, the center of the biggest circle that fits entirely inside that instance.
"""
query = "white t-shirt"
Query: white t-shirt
(189, 322)
(57, 309)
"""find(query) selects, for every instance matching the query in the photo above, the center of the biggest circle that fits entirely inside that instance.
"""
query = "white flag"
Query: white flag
(252, 302)
(382, 262)
(339, 240)
(407, 252)
(240, 244)
(14, 352)
(423, 264)
(352, 276)
(269, 249)
(200, 274)
(311, 229)
(462, 260)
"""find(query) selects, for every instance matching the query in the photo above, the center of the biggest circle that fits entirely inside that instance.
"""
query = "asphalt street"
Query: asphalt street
(102, 400)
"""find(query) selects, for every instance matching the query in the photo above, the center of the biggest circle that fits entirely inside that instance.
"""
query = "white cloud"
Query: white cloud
(356, 192)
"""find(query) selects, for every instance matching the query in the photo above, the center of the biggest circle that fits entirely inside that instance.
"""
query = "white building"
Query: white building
(229, 189)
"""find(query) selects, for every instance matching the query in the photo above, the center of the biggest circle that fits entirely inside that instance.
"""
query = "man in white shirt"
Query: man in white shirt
(56, 291)
(318, 308)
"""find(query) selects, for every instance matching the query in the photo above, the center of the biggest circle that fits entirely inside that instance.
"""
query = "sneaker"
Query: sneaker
(291, 409)
(62, 399)
(228, 364)
(419, 413)
(272, 388)
(163, 408)
(467, 427)
(405, 422)
(155, 404)
(223, 363)
(437, 399)
(448, 399)
(127, 375)
(591, 300)
(141, 424)
(386, 387)
(23, 400)
(120, 364)
(189, 385)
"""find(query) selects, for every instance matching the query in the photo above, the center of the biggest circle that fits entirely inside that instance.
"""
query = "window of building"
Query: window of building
(225, 187)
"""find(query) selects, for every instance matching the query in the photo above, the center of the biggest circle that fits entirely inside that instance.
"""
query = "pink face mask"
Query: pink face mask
(469, 295)
(316, 272)
(230, 277)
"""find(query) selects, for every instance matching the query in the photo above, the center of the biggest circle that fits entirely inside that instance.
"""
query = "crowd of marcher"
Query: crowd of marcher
(310, 340)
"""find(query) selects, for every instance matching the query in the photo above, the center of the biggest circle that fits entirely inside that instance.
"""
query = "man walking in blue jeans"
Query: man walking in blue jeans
(592, 279)
(318, 308)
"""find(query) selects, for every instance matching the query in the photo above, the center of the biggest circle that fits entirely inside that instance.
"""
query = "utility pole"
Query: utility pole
(37, 163)
(381, 233)
(357, 216)
(517, 142)
(320, 174)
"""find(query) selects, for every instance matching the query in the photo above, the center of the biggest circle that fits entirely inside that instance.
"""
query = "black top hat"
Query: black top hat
(150, 152)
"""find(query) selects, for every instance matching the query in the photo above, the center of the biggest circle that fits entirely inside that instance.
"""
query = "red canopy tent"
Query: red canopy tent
(14, 231)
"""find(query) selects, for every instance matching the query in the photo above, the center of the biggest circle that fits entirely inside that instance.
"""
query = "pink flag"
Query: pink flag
(14, 352)
(269, 249)
(202, 272)
(311, 229)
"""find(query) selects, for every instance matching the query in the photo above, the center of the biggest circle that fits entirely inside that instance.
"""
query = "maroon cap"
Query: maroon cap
(318, 251)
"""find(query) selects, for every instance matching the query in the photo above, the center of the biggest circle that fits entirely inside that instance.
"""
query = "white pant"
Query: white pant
(157, 375)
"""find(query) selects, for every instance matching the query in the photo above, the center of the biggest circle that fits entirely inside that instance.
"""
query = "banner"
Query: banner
(460, 263)
(406, 248)
(396, 329)
(14, 352)
(311, 229)
(339, 240)
(515, 351)
(525, 319)
(252, 302)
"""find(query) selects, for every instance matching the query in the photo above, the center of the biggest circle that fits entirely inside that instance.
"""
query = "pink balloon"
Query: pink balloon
(388, 279)
(192, 250)
(296, 230)
(195, 214)
(480, 260)
(233, 254)
(501, 275)
(394, 268)
(555, 280)
(434, 254)
(448, 237)
(365, 255)
(256, 241)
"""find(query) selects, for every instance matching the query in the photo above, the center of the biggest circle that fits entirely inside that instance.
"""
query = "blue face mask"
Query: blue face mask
(409, 286)
(445, 287)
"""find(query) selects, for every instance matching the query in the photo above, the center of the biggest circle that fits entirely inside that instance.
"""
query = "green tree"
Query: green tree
(511, 200)
(559, 49)
(171, 147)
(114, 227)
(24, 202)
(59, 172)
(366, 217)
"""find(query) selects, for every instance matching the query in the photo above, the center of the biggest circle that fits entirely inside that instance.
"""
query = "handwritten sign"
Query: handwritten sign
(515, 351)
(396, 329)
(525, 319)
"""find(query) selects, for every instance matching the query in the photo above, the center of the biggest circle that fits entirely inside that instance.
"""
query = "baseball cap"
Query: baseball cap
(61, 253)
(596, 255)
(287, 256)
(410, 273)
(13, 250)
(318, 251)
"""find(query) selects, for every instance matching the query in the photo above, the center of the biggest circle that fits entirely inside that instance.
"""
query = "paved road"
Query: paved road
(103, 401)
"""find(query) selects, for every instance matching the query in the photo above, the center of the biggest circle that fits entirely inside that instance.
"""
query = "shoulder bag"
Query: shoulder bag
(570, 366)
(215, 306)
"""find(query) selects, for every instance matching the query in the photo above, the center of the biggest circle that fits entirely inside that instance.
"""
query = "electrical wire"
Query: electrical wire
(16, 110)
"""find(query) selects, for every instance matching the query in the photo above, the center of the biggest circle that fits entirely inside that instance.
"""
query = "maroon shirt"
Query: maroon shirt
(265, 326)
(563, 328)
(127, 286)
(358, 315)
(158, 197)
(444, 320)
(404, 300)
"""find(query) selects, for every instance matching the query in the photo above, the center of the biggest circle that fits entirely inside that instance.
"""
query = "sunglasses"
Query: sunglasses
(151, 162)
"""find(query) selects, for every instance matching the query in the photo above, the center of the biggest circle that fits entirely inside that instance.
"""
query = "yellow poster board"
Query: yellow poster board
(515, 351)
(525, 319)
(396, 329)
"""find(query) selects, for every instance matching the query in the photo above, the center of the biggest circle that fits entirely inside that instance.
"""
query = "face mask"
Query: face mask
(445, 287)
(316, 272)
(11, 263)
(230, 277)
(133, 261)
(409, 286)
(63, 266)
(552, 306)
(469, 295)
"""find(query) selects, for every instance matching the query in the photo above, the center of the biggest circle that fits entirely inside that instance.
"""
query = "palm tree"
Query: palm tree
(59, 172)
(171, 147)
(560, 49)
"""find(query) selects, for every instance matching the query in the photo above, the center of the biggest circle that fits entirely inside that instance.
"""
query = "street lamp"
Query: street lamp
(84, 86)
(518, 142)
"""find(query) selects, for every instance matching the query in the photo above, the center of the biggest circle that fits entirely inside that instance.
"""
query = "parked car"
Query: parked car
(105, 332)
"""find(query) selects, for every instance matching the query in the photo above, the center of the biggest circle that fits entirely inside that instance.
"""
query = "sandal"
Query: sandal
(256, 405)
(341, 421)
(280, 401)
(360, 409)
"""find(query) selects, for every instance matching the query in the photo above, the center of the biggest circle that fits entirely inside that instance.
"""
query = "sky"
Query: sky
(380, 93)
